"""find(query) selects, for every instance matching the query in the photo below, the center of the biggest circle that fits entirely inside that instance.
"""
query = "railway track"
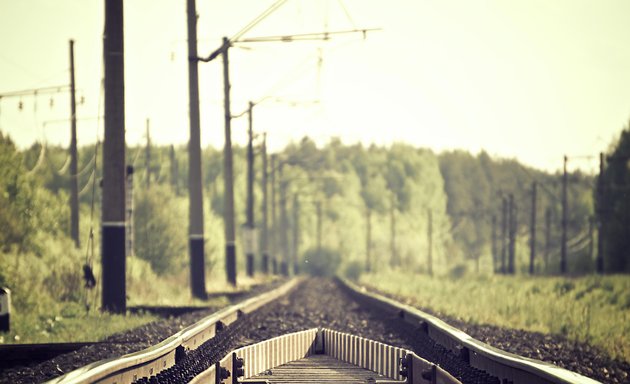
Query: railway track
(348, 336)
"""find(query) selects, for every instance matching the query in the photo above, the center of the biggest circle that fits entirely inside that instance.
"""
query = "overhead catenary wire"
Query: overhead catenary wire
(258, 19)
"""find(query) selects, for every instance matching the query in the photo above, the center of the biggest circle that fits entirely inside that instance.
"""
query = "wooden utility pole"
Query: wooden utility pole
(274, 219)
(249, 257)
(504, 225)
(532, 235)
(284, 223)
(430, 241)
(265, 209)
(230, 244)
(296, 234)
(512, 229)
(113, 194)
(74, 169)
(195, 213)
(147, 156)
(600, 217)
(563, 246)
(495, 257)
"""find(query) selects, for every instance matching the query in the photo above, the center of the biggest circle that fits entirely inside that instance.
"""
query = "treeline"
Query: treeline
(378, 207)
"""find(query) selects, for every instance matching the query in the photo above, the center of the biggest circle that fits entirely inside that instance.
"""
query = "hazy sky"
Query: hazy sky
(531, 79)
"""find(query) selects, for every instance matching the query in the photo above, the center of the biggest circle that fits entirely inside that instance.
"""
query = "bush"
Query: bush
(323, 262)
(353, 270)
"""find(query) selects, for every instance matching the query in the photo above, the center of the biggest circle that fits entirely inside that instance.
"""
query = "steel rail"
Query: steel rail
(152, 360)
(506, 366)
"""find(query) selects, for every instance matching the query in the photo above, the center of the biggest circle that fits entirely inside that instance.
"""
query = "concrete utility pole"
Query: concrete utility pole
(129, 210)
(368, 239)
(318, 207)
(512, 225)
(230, 243)
(392, 218)
(195, 213)
(113, 200)
(600, 217)
(532, 236)
(147, 156)
(563, 246)
(274, 218)
(265, 210)
(249, 257)
(504, 225)
(296, 234)
(174, 170)
(284, 224)
(547, 236)
(495, 257)
(430, 240)
(74, 169)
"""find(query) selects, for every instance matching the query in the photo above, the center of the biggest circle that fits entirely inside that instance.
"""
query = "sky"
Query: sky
(526, 79)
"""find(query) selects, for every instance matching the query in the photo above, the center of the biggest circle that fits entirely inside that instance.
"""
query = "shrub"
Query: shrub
(323, 262)
(353, 270)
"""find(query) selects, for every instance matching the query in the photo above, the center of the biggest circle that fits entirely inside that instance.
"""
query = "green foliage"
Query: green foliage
(592, 309)
(353, 270)
(159, 228)
(322, 262)
(613, 206)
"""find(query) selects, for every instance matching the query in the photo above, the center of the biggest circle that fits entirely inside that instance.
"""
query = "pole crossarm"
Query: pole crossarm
(316, 36)
(36, 91)
(305, 36)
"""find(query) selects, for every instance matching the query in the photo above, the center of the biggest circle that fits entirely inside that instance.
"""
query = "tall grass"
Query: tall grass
(591, 309)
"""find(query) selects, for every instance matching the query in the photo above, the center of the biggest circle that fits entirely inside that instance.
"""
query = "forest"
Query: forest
(432, 213)
(368, 213)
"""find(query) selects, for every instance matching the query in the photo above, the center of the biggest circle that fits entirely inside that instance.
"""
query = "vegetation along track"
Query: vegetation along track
(326, 303)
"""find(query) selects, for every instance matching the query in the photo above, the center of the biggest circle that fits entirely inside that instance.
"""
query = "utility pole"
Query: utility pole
(147, 152)
(249, 257)
(512, 229)
(296, 233)
(318, 207)
(563, 246)
(547, 236)
(230, 245)
(600, 217)
(532, 236)
(113, 243)
(74, 184)
(494, 245)
(504, 225)
(195, 213)
(392, 217)
(430, 240)
(129, 210)
(284, 227)
(174, 170)
(591, 239)
(368, 239)
(274, 218)
(265, 210)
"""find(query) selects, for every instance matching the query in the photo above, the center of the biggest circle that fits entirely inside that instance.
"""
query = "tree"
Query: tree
(613, 206)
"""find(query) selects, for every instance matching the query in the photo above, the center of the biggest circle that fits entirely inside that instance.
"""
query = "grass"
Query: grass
(48, 298)
(591, 309)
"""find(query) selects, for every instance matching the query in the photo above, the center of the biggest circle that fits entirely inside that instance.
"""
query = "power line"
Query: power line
(258, 19)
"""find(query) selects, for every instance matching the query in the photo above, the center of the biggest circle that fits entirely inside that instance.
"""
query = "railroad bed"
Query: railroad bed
(321, 303)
